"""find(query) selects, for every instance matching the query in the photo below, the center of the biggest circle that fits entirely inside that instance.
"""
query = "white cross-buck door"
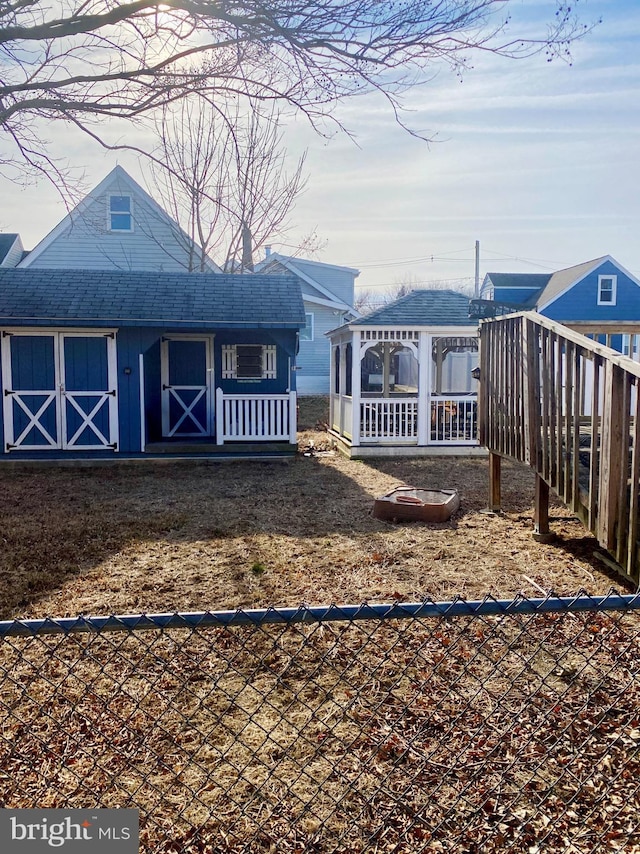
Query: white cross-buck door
(187, 386)
(59, 390)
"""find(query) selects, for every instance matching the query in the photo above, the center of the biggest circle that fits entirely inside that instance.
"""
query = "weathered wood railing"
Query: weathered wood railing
(570, 409)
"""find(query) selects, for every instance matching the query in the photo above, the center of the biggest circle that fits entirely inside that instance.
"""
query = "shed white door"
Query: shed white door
(59, 390)
(187, 382)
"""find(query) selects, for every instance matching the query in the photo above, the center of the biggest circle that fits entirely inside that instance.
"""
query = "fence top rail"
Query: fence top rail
(572, 336)
(488, 606)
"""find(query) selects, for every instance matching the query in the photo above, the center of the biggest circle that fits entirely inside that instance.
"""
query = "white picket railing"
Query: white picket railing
(384, 419)
(454, 419)
(255, 418)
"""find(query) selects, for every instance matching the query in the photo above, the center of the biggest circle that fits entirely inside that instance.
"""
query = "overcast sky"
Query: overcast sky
(538, 161)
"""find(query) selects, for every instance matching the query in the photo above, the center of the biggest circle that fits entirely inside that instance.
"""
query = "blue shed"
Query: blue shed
(98, 363)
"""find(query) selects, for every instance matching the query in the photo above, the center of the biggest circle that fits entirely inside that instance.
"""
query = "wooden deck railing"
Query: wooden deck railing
(570, 409)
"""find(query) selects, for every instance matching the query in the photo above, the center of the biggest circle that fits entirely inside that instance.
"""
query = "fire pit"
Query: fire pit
(409, 504)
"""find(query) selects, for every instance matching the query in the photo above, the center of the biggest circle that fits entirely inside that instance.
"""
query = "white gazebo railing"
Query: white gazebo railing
(454, 419)
(384, 419)
(255, 418)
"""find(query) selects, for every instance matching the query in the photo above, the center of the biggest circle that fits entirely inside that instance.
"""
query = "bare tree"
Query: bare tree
(223, 177)
(87, 60)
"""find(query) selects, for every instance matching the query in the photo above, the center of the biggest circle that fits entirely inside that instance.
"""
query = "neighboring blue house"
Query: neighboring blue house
(98, 364)
(594, 294)
(328, 295)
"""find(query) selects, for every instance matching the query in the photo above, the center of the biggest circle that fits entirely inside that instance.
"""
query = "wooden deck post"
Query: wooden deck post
(541, 532)
(495, 497)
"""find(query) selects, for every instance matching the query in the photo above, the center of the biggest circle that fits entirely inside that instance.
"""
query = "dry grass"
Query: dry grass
(247, 534)
(238, 732)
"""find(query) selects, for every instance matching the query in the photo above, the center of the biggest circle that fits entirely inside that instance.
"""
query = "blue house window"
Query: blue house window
(306, 334)
(120, 218)
(607, 290)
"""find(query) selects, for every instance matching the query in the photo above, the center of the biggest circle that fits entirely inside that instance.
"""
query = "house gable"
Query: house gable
(576, 293)
(11, 250)
(328, 293)
(117, 226)
(313, 277)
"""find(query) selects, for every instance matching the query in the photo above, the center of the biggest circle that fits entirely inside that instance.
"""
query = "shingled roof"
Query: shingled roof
(519, 280)
(422, 308)
(113, 298)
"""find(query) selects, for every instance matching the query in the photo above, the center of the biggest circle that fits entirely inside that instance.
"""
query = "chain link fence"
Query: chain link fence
(456, 727)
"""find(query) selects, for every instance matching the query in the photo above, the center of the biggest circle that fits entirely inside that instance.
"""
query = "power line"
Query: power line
(417, 284)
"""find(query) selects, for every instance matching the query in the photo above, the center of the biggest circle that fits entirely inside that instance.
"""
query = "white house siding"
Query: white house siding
(84, 241)
(87, 244)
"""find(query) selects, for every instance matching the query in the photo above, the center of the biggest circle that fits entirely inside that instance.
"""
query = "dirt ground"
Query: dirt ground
(195, 536)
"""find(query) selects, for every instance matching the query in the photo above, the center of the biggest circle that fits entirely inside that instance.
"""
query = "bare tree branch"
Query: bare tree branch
(89, 59)
(222, 174)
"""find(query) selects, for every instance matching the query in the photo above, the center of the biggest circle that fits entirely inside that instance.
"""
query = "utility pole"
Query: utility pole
(476, 290)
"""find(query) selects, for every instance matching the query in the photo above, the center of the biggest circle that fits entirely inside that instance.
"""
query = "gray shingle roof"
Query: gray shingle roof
(422, 308)
(113, 298)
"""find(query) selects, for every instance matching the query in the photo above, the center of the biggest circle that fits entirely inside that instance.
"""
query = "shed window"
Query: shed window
(607, 286)
(249, 362)
(120, 218)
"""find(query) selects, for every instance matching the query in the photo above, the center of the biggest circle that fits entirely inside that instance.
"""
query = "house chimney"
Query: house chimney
(267, 252)
(247, 251)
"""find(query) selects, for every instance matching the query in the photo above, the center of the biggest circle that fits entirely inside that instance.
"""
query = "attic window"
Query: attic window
(607, 286)
(120, 218)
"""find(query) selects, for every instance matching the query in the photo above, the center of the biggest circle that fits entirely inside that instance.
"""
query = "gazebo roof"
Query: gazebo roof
(422, 308)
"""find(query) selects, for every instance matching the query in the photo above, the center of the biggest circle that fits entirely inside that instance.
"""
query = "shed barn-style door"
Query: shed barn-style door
(187, 378)
(59, 390)
(88, 391)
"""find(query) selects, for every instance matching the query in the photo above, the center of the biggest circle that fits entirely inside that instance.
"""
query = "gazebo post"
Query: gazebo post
(424, 405)
(356, 373)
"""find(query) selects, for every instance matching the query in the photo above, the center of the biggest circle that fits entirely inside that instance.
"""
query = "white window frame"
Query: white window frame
(631, 346)
(111, 212)
(310, 326)
(614, 288)
(230, 362)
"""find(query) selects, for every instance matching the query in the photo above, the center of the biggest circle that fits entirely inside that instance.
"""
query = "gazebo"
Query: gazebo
(401, 378)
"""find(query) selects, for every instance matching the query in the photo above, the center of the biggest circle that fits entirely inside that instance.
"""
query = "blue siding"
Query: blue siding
(581, 301)
(86, 364)
(514, 295)
(130, 343)
(286, 350)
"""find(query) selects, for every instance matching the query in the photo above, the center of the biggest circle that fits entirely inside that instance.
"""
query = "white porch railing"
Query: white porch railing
(454, 420)
(255, 418)
(445, 420)
(341, 415)
(385, 420)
